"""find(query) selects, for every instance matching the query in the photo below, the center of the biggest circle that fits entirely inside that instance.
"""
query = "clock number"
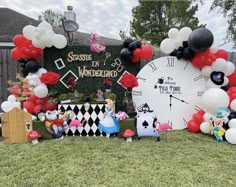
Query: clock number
(143, 79)
(200, 93)
(198, 78)
(197, 108)
(153, 66)
(185, 122)
(170, 123)
(137, 93)
(186, 65)
(171, 62)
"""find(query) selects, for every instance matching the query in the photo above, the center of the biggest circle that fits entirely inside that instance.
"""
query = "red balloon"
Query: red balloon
(51, 106)
(37, 108)
(135, 59)
(146, 52)
(137, 52)
(27, 90)
(15, 88)
(193, 126)
(197, 62)
(39, 101)
(201, 112)
(33, 98)
(46, 99)
(198, 118)
(29, 106)
(20, 41)
(16, 53)
(221, 53)
(232, 78)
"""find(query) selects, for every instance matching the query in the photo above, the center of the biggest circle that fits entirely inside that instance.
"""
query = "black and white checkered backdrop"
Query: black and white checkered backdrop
(93, 115)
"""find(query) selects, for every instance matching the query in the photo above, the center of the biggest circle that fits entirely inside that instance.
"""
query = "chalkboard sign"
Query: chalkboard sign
(89, 69)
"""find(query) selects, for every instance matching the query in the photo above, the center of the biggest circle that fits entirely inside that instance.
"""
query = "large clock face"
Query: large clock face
(170, 87)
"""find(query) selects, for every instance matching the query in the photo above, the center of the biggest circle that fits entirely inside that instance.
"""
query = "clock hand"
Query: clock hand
(170, 101)
(179, 99)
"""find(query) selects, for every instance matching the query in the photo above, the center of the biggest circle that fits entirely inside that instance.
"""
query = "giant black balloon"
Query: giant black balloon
(200, 39)
(125, 54)
(32, 66)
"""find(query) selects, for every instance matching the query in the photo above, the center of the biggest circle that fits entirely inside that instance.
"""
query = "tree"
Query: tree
(228, 8)
(153, 19)
(54, 18)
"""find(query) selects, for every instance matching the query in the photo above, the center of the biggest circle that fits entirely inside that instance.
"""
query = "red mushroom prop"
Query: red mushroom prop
(128, 134)
(33, 136)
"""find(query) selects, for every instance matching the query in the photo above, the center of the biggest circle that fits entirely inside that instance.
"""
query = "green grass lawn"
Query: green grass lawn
(185, 159)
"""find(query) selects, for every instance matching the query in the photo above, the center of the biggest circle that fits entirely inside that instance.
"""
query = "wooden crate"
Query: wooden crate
(16, 125)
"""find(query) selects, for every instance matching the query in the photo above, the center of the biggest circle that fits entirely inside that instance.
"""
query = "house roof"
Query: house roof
(12, 23)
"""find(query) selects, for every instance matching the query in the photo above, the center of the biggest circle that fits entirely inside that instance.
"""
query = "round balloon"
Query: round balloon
(205, 128)
(230, 135)
(214, 98)
(32, 66)
(232, 123)
(200, 39)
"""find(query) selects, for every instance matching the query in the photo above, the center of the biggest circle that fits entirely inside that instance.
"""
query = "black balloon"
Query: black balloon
(188, 54)
(138, 44)
(225, 88)
(24, 72)
(232, 115)
(217, 77)
(132, 46)
(125, 54)
(200, 39)
(126, 42)
(32, 66)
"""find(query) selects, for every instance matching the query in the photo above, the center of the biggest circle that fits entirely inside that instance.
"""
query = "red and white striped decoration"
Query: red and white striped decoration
(95, 44)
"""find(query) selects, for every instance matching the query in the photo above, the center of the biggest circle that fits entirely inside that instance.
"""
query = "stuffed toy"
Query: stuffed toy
(217, 123)
(53, 124)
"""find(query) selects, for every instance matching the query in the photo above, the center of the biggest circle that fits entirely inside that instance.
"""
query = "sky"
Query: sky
(107, 17)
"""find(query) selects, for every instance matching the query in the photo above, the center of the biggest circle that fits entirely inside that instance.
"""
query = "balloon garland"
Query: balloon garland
(219, 101)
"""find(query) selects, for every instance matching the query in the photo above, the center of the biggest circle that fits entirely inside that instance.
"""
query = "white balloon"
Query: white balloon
(230, 135)
(229, 69)
(232, 123)
(205, 127)
(59, 41)
(41, 71)
(6, 106)
(37, 43)
(184, 33)
(214, 98)
(173, 33)
(29, 31)
(45, 25)
(168, 45)
(33, 79)
(16, 104)
(219, 64)
(11, 98)
(206, 71)
(207, 116)
(41, 91)
(214, 48)
(233, 105)
(211, 84)
(226, 81)
(41, 31)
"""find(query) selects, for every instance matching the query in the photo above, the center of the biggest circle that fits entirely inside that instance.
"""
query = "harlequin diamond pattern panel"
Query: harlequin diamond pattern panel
(93, 115)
